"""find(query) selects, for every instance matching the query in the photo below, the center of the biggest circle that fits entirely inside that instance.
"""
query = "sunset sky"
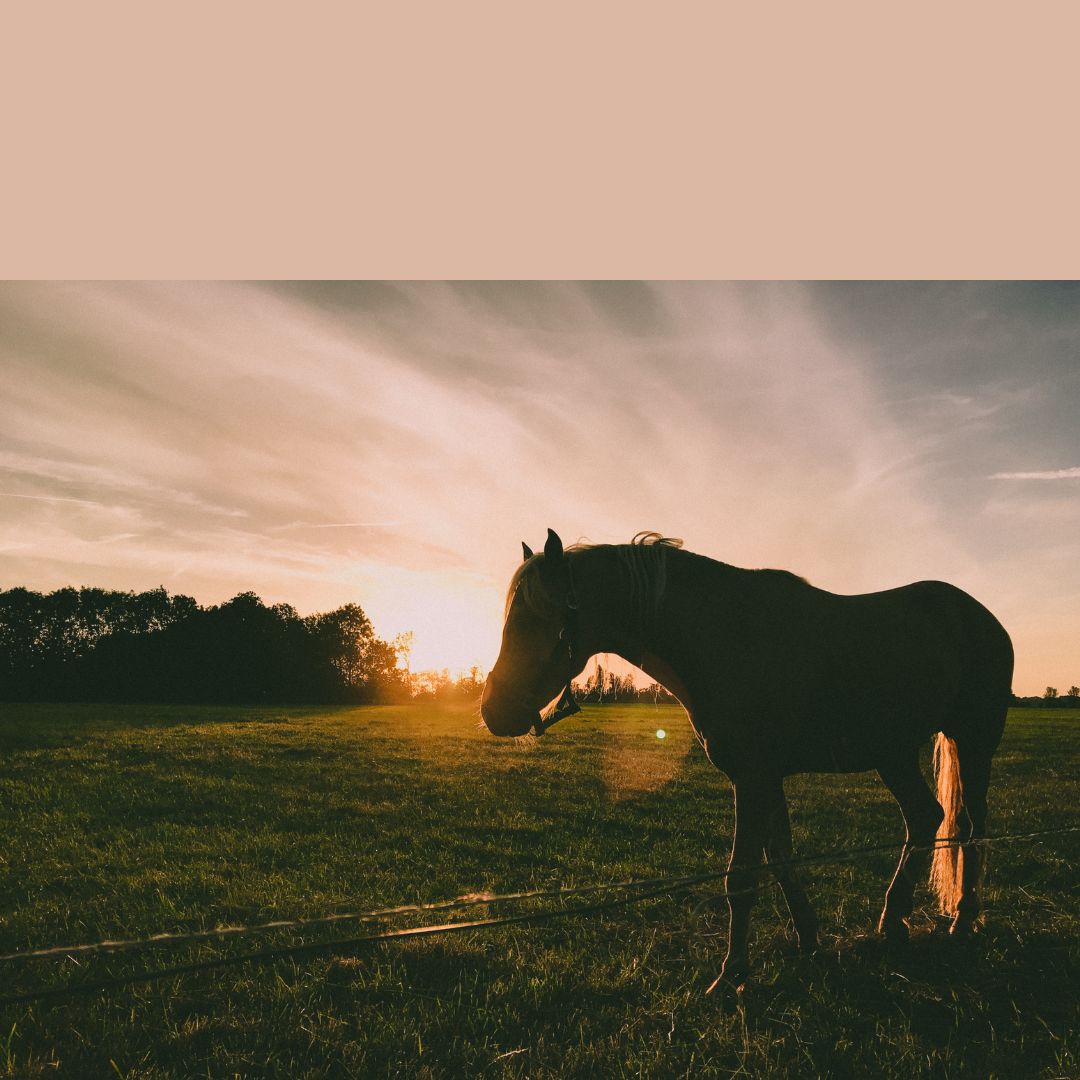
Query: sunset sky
(392, 445)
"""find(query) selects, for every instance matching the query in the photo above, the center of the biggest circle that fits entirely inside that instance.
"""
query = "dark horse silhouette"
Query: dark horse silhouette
(779, 678)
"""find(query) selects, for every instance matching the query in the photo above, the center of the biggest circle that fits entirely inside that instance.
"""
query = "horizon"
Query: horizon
(390, 445)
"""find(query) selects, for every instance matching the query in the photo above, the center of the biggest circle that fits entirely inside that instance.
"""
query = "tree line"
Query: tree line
(99, 645)
(606, 688)
(1050, 699)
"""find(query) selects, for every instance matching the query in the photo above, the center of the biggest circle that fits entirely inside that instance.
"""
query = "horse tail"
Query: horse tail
(945, 872)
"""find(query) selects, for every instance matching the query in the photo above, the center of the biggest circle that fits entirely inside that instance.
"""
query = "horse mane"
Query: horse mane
(642, 563)
(787, 574)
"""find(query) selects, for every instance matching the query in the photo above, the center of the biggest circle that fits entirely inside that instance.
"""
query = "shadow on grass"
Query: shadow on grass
(997, 1004)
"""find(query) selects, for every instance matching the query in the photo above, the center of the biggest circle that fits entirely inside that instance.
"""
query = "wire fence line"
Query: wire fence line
(95, 985)
(642, 889)
(377, 915)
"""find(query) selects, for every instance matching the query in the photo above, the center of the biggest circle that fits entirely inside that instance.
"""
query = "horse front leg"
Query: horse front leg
(752, 805)
(780, 850)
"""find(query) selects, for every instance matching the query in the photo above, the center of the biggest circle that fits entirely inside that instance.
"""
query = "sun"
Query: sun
(452, 627)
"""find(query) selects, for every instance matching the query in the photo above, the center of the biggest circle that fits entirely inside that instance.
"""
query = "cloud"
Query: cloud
(393, 444)
(1056, 474)
(47, 498)
(342, 525)
(67, 472)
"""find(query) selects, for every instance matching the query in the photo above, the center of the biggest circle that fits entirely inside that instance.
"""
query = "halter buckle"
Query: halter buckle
(567, 706)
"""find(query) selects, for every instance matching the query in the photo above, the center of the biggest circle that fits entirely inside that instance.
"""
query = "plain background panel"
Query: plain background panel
(489, 140)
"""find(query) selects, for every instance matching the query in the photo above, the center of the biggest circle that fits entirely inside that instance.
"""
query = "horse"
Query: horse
(779, 678)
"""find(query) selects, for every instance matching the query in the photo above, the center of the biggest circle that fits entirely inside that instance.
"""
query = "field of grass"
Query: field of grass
(122, 822)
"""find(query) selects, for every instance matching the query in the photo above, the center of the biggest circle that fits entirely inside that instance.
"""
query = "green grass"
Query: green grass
(125, 822)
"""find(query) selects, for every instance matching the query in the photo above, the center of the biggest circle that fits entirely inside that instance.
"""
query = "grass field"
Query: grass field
(123, 822)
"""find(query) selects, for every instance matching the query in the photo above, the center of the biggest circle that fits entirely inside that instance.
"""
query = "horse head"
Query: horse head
(537, 659)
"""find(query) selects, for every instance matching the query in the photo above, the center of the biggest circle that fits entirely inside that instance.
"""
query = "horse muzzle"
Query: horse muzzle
(503, 715)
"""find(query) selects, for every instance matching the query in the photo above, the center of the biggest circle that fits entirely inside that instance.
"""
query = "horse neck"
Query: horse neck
(611, 616)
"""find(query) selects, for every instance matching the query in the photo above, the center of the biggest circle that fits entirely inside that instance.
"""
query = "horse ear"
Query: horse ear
(553, 548)
(528, 551)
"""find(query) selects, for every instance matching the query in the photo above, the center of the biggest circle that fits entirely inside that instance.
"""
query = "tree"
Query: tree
(46, 641)
(1051, 692)
(344, 637)
(366, 664)
(470, 684)
(403, 646)
(1074, 691)
(657, 693)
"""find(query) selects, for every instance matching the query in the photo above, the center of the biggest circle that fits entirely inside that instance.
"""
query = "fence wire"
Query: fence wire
(643, 889)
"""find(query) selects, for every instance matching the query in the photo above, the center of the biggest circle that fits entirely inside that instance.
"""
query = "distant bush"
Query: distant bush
(439, 686)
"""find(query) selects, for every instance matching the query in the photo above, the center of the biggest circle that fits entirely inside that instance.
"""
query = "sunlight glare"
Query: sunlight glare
(455, 624)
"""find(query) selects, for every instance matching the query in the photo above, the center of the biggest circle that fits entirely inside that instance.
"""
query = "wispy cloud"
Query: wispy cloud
(341, 525)
(73, 473)
(393, 444)
(47, 498)
(1054, 474)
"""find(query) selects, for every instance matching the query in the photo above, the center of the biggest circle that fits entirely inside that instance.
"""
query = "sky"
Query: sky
(392, 444)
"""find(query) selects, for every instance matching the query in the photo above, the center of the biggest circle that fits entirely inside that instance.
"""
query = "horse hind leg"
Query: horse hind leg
(922, 816)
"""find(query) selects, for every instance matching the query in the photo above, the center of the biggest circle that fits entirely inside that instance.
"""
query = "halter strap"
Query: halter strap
(567, 706)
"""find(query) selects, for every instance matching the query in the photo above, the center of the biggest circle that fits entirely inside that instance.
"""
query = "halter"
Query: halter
(567, 706)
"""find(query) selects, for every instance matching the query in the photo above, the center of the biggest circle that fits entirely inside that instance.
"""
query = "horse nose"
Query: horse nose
(503, 717)
(487, 710)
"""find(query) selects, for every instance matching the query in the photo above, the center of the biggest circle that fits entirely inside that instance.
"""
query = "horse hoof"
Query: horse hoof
(896, 933)
(731, 980)
(726, 990)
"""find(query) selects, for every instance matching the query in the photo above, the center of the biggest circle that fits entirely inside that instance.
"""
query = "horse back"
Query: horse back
(902, 665)
(829, 680)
